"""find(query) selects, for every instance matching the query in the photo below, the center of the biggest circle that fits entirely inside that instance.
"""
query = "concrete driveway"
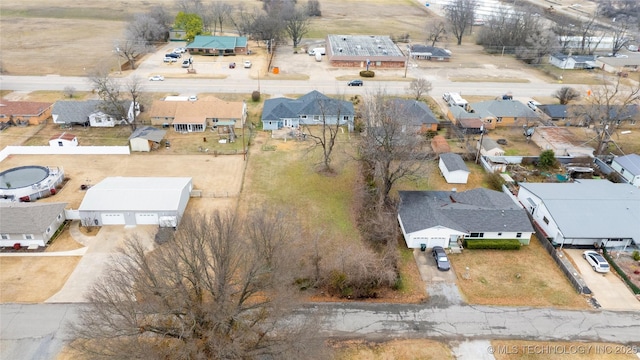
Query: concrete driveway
(608, 289)
(440, 285)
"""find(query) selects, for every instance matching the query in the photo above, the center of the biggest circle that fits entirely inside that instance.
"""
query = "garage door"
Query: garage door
(146, 219)
(112, 219)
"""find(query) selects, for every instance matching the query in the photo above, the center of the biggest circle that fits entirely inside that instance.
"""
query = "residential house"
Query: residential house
(90, 113)
(419, 117)
(196, 116)
(364, 51)
(218, 45)
(555, 112)
(63, 139)
(628, 166)
(453, 168)
(489, 147)
(618, 115)
(623, 66)
(136, 201)
(29, 224)
(571, 62)
(497, 113)
(146, 138)
(584, 212)
(429, 53)
(560, 140)
(443, 218)
(24, 112)
(313, 108)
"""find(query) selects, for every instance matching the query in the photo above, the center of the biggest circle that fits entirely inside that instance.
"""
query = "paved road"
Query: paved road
(38, 331)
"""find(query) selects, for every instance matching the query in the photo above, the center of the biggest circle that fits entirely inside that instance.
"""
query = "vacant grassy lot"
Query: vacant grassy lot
(526, 277)
(19, 286)
(396, 349)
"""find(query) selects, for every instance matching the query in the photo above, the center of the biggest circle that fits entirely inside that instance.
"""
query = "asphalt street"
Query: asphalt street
(38, 331)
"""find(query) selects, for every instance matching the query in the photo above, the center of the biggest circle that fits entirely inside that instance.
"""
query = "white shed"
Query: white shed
(63, 139)
(489, 147)
(453, 168)
(146, 138)
(136, 201)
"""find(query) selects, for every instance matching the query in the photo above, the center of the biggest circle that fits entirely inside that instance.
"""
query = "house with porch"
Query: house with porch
(571, 62)
(445, 218)
(417, 116)
(313, 108)
(196, 116)
(584, 212)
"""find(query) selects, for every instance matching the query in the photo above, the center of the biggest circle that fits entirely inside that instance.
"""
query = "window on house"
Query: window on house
(59, 216)
(499, 119)
(546, 221)
(632, 122)
(499, 234)
(4, 236)
(49, 229)
(316, 117)
(28, 236)
(621, 171)
(489, 121)
(303, 116)
(345, 118)
(519, 235)
(476, 235)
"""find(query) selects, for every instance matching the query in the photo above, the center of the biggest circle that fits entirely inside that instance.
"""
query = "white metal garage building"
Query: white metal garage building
(136, 201)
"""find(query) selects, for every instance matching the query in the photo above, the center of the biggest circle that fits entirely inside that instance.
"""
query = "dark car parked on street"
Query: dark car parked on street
(355, 83)
(441, 258)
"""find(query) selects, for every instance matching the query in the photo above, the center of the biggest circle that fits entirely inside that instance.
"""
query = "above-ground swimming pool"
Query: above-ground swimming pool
(29, 183)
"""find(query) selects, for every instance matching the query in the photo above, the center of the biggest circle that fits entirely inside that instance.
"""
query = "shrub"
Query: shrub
(636, 255)
(547, 159)
(255, 96)
(634, 288)
(367, 73)
(506, 244)
(494, 181)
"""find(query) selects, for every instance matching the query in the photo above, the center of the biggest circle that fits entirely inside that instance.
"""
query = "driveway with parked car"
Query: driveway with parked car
(608, 289)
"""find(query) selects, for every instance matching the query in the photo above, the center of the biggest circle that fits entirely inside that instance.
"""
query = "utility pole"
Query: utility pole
(480, 144)
(406, 64)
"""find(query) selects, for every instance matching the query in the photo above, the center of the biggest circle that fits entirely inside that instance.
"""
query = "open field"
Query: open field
(525, 277)
(395, 349)
(32, 279)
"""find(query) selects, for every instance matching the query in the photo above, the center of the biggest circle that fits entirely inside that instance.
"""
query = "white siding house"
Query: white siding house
(442, 218)
(63, 139)
(29, 224)
(136, 201)
(584, 212)
(453, 168)
(628, 167)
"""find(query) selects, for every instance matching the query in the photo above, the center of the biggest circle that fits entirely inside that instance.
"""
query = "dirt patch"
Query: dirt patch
(33, 279)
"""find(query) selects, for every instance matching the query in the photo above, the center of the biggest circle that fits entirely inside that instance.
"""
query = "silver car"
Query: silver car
(598, 262)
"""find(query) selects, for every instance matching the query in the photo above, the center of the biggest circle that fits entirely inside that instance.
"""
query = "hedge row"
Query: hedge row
(506, 244)
(367, 73)
(634, 288)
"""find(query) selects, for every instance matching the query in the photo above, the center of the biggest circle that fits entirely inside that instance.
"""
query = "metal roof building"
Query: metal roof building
(136, 201)
(359, 50)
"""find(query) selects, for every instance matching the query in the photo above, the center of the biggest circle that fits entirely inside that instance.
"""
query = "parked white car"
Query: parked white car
(156, 78)
(533, 105)
(170, 60)
(180, 50)
(598, 262)
(247, 64)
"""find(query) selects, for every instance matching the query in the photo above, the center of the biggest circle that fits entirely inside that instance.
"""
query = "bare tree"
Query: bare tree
(620, 35)
(588, 41)
(460, 14)
(190, 6)
(114, 101)
(539, 43)
(130, 48)
(392, 148)
(221, 11)
(607, 107)
(296, 23)
(419, 87)
(436, 32)
(69, 91)
(209, 293)
(326, 126)
(146, 29)
(566, 94)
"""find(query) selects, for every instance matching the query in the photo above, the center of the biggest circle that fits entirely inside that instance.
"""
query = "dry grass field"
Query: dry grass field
(31, 279)
(395, 349)
(525, 277)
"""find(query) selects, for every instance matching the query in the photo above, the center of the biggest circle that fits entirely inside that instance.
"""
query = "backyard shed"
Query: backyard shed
(136, 201)
(146, 138)
(453, 168)
(63, 139)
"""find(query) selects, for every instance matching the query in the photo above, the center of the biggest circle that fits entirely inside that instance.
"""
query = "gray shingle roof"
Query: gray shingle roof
(489, 144)
(313, 103)
(453, 162)
(417, 112)
(77, 112)
(630, 163)
(554, 111)
(591, 208)
(477, 210)
(28, 218)
(434, 51)
(502, 108)
(148, 133)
